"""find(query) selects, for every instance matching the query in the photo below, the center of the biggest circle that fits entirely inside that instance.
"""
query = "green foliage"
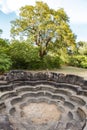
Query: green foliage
(47, 33)
(52, 62)
(47, 28)
(81, 48)
(4, 42)
(25, 56)
(48, 62)
(21, 54)
(78, 61)
(5, 63)
(4, 45)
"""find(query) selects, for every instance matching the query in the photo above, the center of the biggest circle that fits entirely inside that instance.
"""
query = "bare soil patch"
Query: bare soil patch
(40, 113)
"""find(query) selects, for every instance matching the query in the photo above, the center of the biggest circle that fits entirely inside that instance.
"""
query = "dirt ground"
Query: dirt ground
(73, 70)
(40, 113)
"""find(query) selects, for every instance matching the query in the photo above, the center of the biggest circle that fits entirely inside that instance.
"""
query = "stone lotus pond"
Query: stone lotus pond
(42, 101)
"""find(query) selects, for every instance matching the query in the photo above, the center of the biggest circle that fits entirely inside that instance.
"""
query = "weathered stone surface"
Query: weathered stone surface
(19, 88)
(4, 123)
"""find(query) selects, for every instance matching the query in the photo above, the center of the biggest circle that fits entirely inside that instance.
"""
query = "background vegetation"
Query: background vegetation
(41, 39)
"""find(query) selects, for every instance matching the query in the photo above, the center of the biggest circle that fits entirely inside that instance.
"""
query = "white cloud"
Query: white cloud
(76, 9)
(8, 6)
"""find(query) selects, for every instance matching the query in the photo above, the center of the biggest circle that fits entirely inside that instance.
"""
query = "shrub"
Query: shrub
(52, 62)
(5, 63)
(21, 54)
(26, 56)
(48, 62)
(78, 61)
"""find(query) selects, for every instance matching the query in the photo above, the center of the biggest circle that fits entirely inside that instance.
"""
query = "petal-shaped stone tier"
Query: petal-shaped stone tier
(42, 101)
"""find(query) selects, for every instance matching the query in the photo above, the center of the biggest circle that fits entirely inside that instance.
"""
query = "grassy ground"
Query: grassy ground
(73, 70)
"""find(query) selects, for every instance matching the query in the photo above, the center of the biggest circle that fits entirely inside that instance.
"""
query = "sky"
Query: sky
(75, 9)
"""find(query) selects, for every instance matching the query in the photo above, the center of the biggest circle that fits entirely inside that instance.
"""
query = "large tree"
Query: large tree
(46, 28)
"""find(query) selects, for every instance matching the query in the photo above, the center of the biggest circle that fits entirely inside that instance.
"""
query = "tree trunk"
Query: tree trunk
(42, 52)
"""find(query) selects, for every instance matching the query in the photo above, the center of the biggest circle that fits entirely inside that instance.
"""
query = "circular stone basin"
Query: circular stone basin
(40, 113)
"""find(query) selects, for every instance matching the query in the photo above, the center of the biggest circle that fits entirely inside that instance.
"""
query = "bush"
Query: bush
(78, 61)
(21, 54)
(48, 62)
(5, 63)
(26, 56)
(52, 62)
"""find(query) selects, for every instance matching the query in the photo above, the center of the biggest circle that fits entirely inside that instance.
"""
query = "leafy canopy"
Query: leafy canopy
(46, 28)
